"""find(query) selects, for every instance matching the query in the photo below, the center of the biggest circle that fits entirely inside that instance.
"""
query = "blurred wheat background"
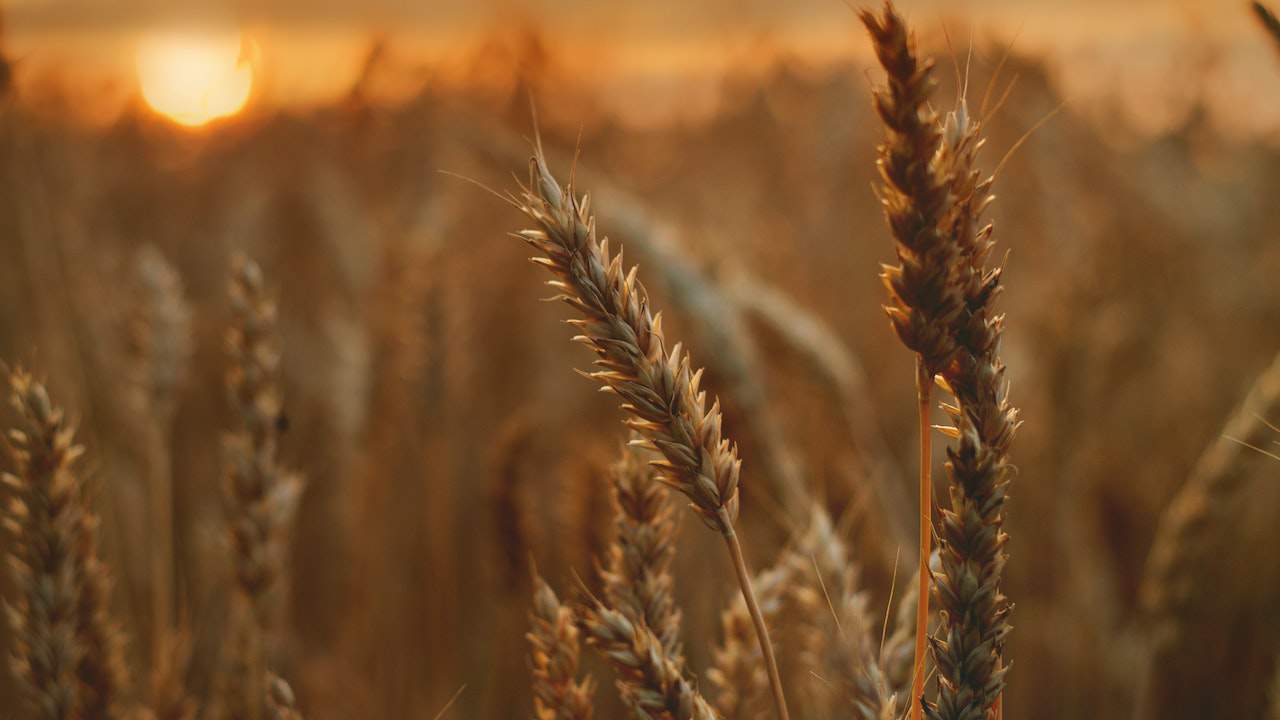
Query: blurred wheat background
(430, 403)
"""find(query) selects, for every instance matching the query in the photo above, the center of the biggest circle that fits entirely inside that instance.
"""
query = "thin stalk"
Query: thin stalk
(762, 632)
(162, 551)
(924, 386)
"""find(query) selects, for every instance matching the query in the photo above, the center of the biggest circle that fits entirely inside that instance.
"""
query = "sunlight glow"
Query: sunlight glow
(195, 79)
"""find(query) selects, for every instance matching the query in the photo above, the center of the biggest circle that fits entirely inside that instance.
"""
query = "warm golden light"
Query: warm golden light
(194, 79)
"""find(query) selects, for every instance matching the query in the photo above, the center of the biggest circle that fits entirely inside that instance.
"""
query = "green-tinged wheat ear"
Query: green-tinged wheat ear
(554, 651)
(70, 652)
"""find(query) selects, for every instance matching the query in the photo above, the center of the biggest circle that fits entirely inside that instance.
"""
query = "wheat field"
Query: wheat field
(898, 386)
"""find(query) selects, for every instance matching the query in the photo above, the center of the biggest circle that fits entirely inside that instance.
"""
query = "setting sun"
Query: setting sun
(194, 79)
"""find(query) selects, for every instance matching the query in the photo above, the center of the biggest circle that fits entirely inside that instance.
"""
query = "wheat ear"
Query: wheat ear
(41, 516)
(1194, 532)
(923, 301)
(558, 694)
(652, 684)
(637, 574)
(839, 624)
(973, 614)
(162, 349)
(659, 387)
(895, 654)
(259, 494)
(70, 653)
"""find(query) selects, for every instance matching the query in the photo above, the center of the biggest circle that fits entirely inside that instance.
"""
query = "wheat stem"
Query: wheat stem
(924, 385)
(757, 619)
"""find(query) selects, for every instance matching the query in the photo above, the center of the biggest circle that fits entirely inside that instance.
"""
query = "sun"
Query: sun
(195, 79)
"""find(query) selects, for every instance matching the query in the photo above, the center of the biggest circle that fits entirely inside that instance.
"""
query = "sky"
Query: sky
(310, 50)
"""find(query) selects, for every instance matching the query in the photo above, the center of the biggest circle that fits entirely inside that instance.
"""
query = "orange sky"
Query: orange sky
(310, 50)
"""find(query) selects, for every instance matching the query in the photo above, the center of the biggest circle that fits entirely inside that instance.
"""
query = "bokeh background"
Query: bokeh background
(432, 406)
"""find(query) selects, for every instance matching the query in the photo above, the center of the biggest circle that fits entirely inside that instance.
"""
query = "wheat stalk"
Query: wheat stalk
(737, 678)
(558, 694)
(923, 301)
(658, 387)
(70, 652)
